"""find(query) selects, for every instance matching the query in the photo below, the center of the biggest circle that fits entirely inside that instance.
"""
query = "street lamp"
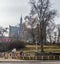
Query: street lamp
(36, 48)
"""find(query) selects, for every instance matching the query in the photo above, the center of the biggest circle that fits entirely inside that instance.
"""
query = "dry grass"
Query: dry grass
(32, 49)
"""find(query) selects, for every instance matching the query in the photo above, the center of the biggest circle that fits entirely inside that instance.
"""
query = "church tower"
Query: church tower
(21, 29)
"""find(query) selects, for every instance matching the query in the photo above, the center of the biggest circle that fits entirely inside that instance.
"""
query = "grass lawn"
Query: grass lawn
(47, 48)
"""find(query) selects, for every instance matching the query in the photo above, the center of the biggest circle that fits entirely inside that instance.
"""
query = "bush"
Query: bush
(5, 46)
(17, 44)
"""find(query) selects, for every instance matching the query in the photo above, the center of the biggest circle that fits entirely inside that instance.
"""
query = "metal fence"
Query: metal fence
(28, 56)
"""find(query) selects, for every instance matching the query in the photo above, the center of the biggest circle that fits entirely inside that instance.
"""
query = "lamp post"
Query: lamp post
(36, 49)
(55, 37)
(36, 46)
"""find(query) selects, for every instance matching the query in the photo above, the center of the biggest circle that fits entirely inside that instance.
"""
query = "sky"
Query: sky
(11, 11)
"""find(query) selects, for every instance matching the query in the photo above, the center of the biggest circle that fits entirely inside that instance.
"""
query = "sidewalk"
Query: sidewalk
(2, 59)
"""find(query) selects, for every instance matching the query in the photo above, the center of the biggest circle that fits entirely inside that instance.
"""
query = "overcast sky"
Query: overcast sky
(11, 10)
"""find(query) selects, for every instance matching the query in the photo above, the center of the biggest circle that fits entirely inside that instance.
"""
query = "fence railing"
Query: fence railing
(29, 57)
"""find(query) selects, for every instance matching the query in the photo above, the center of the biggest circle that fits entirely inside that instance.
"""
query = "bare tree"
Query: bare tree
(50, 30)
(2, 31)
(32, 23)
(41, 8)
(58, 27)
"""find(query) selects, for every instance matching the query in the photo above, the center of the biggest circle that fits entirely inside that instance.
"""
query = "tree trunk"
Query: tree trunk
(41, 36)
(44, 33)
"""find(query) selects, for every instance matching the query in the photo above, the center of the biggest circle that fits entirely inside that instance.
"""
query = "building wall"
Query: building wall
(13, 31)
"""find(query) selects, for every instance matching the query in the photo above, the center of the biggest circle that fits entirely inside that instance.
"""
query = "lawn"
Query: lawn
(47, 48)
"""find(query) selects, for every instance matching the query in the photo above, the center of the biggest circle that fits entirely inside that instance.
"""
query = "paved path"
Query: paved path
(14, 61)
(29, 62)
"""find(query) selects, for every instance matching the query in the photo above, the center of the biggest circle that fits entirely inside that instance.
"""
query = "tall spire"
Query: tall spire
(21, 23)
(21, 20)
(21, 29)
